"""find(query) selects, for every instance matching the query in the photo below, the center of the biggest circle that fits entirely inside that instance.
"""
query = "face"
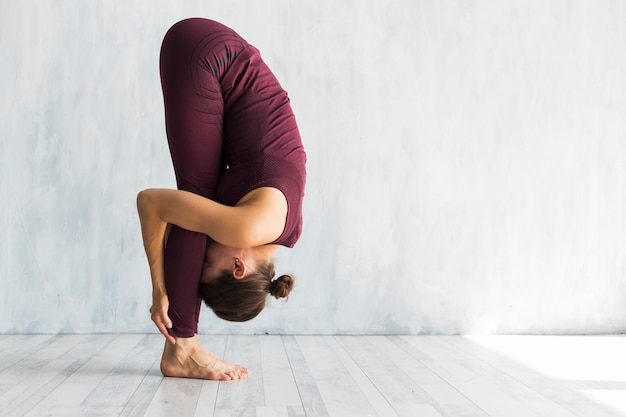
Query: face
(219, 258)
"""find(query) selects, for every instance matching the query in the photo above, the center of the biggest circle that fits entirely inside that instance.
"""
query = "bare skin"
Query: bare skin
(257, 219)
(187, 359)
(240, 261)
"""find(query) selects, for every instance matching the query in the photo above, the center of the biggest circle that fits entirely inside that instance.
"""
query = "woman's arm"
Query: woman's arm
(259, 218)
(155, 234)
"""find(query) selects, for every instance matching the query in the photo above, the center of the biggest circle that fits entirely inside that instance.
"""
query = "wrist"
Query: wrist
(158, 292)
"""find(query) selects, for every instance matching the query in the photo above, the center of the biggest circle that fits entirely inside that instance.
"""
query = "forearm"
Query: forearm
(154, 232)
(157, 273)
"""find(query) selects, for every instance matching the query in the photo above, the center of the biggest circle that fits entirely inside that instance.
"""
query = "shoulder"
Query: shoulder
(263, 196)
(265, 214)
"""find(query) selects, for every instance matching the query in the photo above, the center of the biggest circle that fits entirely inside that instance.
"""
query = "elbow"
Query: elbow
(143, 201)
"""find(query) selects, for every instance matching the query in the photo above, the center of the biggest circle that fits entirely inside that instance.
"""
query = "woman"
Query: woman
(240, 172)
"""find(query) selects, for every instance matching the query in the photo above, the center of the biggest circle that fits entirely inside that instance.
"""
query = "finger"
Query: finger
(161, 328)
(164, 331)
(166, 319)
(168, 336)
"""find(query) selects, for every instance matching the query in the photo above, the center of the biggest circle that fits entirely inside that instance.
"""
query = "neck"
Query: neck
(260, 253)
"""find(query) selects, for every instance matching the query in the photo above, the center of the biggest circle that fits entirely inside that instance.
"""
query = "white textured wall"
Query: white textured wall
(466, 162)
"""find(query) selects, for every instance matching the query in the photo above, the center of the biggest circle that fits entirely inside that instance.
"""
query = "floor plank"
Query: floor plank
(74, 390)
(312, 402)
(392, 382)
(25, 394)
(120, 384)
(535, 362)
(142, 397)
(340, 392)
(250, 392)
(16, 348)
(208, 393)
(440, 391)
(359, 373)
(311, 376)
(278, 381)
(175, 397)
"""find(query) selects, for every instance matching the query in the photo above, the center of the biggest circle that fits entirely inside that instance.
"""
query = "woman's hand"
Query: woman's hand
(158, 313)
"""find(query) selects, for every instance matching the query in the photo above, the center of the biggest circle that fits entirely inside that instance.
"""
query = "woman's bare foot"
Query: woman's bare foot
(188, 359)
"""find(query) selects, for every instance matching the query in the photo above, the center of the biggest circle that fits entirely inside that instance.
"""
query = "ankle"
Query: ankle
(187, 345)
(187, 341)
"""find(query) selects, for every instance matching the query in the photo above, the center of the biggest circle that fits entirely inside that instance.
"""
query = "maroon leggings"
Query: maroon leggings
(195, 54)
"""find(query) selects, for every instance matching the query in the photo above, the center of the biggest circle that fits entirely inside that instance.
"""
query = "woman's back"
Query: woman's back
(262, 146)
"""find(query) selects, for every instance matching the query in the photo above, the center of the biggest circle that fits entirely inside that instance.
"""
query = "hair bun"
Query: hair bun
(282, 286)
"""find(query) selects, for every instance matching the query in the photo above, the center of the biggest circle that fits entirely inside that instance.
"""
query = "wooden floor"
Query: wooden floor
(297, 376)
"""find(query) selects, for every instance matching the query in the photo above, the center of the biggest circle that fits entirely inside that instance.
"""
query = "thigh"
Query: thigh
(194, 108)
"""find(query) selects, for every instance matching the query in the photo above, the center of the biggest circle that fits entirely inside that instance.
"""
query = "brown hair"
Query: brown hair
(243, 299)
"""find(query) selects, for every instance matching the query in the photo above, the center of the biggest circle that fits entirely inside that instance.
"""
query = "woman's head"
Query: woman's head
(242, 299)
